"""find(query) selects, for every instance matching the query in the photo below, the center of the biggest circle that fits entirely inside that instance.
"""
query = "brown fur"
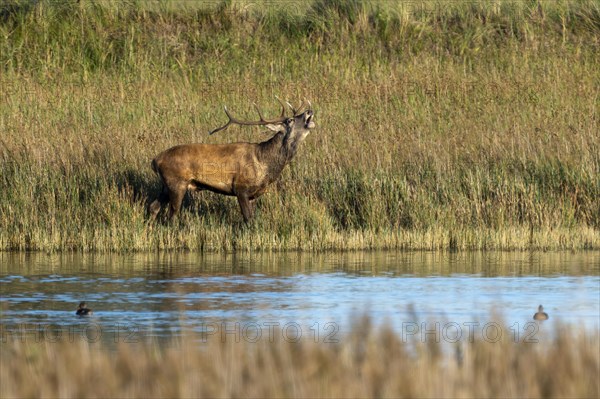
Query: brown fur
(243, 170)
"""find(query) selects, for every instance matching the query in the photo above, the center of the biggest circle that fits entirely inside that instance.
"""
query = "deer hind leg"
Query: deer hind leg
(176, 195)
(246, 207)
(158, 203)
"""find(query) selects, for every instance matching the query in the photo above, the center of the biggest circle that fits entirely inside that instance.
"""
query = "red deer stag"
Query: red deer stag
(243, 170)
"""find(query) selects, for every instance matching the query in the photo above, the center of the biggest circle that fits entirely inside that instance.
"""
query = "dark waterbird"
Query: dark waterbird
(540, 315)
(83, 310)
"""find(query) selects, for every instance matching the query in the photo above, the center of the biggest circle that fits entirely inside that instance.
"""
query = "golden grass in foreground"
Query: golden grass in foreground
(369, 362)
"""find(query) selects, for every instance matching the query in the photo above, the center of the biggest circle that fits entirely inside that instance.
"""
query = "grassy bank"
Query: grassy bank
(368, 362)
(440, 126)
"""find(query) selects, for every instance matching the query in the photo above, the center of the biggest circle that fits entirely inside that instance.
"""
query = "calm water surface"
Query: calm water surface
(318, 295)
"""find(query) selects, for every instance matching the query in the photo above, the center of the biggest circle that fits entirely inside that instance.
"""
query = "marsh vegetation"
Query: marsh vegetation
(368, 362)
(462, 125)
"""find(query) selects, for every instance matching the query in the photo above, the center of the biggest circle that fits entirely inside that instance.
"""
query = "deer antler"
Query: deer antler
(296, 111)
(262, 121)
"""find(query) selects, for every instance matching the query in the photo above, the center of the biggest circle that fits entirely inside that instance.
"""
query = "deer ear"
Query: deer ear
(276, 128)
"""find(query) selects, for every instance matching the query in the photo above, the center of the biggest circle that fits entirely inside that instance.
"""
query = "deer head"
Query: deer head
(294, 128)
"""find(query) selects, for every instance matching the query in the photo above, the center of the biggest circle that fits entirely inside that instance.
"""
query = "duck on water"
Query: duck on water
(83, 310)
(540, 315)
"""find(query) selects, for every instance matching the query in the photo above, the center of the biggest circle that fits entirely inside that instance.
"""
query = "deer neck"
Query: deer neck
(273, 155)
(291, 143)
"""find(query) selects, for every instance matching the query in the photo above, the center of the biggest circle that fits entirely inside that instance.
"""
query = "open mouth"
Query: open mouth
(309, 122)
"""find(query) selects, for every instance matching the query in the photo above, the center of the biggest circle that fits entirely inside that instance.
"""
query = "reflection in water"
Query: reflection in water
(160, 293)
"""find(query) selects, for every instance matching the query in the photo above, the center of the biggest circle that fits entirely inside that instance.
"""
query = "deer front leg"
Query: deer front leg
(246, 207)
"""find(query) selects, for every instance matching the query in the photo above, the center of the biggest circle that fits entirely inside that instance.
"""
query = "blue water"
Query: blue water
(310, 295)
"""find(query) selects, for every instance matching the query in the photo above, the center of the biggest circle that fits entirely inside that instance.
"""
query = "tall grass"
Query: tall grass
(367, 362)
(461, 125)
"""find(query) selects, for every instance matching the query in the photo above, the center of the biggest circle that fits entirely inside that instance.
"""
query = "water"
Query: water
(319, 296)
